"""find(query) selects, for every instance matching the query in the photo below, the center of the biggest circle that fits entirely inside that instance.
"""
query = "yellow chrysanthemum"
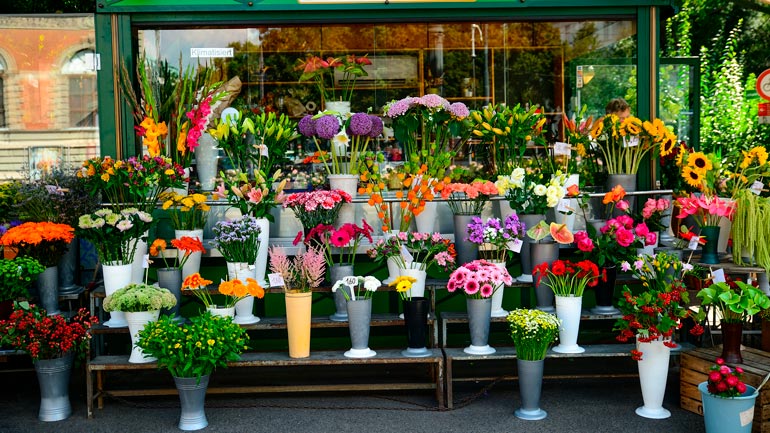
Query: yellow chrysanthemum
(699, 162)
(692, 177)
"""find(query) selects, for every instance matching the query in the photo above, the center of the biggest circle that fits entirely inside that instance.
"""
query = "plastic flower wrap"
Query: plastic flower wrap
(532, 332)
(316, 207)
(44, 241)
(494, 237)
(360, 287)
(478, 279)
(659, 308)
(468, 198)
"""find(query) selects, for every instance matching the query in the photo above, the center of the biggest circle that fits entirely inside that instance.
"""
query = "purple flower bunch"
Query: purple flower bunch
(324, 127)
(237, 240)
(495, 237)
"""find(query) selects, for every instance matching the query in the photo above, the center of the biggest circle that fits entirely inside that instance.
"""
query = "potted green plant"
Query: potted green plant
(726, 399)
(16, 276)
(141, 303)
(532, 332)
(736, 302)
(191, 352)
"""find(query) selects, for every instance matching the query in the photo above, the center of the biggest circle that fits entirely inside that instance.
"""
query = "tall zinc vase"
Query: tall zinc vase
(192, 397)
(530, 386)
(728, 414)
(605, 291)
(171, 280)
(653, 373)
(628, 182)
(48, 290)
(359, 321)
(466, 251)
(53, 376)
(337, 273)
(544, 252)
(529, 220)
(479, 314)
(416, 323)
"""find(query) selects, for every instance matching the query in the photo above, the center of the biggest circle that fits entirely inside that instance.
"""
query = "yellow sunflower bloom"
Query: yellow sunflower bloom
(699, 162)
(668, 145)
(692, 177)
(597, 129)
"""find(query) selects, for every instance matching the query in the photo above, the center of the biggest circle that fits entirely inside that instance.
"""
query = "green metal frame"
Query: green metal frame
(694, 63)
(118, 20)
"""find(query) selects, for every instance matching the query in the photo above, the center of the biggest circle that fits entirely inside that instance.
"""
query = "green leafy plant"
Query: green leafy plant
(137, 297)
(194, 349)
(17, 275)
(736, 300)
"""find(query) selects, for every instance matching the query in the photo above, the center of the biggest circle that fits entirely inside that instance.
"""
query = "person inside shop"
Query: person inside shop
(618, 107)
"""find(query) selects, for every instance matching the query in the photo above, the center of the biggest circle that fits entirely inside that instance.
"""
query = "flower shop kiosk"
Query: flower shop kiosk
(308, 80)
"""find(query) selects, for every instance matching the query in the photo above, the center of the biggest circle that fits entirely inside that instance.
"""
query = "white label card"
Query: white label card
(630, 142)
(515, 246)
(747, 416)
(350, 281)
(756, 187)
(560, 148)
(276, 280)
(693, 245)
(718, 276)
(408, 258)
(564, 206)
(146, 261)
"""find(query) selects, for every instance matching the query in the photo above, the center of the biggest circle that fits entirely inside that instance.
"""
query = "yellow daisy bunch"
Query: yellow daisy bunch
(403, 284)
(187, 212)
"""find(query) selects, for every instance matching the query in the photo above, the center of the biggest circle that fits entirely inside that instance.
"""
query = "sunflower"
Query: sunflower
(699, 162)
(680, 155)
(761, 153)
(692, 177)
(668, 145)
(597, 129)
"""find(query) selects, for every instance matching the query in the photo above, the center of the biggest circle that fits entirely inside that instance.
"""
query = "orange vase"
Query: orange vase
(298, 323)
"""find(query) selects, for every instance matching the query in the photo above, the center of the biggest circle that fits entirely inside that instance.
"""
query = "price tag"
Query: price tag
(276, 280)
(262, 149)
(515, 245)
(564, 206)
(407, 256)
(756, 187)
(630, 142)
(350, 281)
(146, 261)
(693, 245)
(718, 276)
(747, 416)
(560, 148)
(252, 267)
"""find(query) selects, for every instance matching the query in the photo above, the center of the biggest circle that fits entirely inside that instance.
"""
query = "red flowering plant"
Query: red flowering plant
(31, 330)
(615, 242)
(341, 243)
(478, 279)
(567, 278)
(724, 381)
(316, 207)
(657, 310)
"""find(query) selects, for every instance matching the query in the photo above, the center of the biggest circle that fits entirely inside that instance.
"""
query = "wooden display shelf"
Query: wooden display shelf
(100, 365)
(695, 367)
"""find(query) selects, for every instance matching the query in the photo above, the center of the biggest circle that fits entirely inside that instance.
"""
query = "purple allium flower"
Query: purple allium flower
(327, 126)
(458, 109)
(376, 126)
(360, 124)
(432, 100)
(306, 126)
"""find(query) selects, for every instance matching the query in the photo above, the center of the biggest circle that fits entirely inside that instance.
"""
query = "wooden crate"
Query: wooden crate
(694, 370)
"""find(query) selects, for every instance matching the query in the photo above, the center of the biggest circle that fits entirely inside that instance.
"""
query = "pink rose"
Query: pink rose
(622, 205)
(626, 221)
(624, 237)
(651, 238)
(584, 243)
(641, 230)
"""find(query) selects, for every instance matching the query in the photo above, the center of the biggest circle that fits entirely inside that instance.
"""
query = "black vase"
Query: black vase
(416, 321)
(732, 334)
(605, 291)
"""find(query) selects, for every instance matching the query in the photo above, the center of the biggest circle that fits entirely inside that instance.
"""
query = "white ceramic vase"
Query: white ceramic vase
(193, 263)
(136, 322)
(116, 276)
(568, 310)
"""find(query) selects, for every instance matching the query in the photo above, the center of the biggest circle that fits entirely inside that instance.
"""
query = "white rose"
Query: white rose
(517, 177)
(540, 190)
(554, 194)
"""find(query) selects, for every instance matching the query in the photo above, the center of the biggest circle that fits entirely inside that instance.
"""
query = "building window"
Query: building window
(3, 69)
(81, 76)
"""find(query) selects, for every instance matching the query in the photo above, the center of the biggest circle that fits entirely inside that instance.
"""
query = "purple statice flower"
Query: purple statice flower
(432, 100)
(327, 126)
(515, 226)
(306, 126)
(458, 109)
(400, 107)
(475, 230)
(376, 126)
(360, 124)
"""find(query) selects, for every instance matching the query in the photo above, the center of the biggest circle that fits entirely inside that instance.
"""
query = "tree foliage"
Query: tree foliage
(47, 6)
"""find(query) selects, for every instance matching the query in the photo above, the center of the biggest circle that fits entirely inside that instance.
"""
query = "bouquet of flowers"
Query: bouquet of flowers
(577, 132)
(567, 278)
(233, 290)
(305, 272)
(403, 285)
(529, 193)
(344, 241)
(724, 381)
(494, 236)
(321, 72)
(468, 198)
(316, 207)
(188, 245)
(349, 142)
(706, 209)
(137, 297)
(656, 311)
(115, 235)
(359, 287)
(532, 332)
(384, 249)
(238, 240)
(44, 241)
(17, 275)
(478, 279)
(615, 242)
(506, 131)
(421, 250)
(467, 173)
(31, 330)
(188, 212)
(251, 196)
(652, 213)
(624, 144)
